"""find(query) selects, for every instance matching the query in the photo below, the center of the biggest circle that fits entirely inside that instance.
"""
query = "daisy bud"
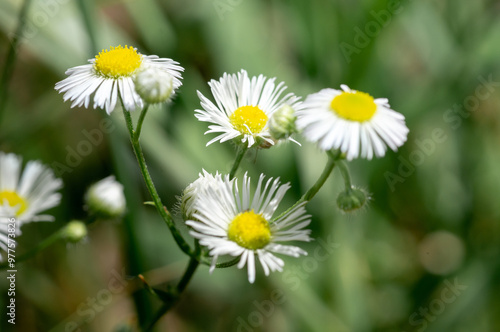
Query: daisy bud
(75, 231)
(187, 201)
(154, 85)
(352, 199)
(282, 123)
(105, 199)
(189, 195)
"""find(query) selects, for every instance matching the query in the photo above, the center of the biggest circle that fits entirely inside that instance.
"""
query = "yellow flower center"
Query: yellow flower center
(354, 106)
(117, 62)
(13, 199)
(248, 119)
(250, 230)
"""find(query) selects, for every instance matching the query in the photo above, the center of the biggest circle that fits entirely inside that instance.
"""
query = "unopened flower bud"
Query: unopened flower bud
(75, 231)
(188, 198)
(105, 199)
(352, 199)
(154, 85)
(282, 123)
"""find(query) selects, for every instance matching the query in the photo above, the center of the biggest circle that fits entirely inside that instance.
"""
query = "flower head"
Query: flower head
(230, 222)
(352, 121)
(243, 107)
(109, 76)
(105, 199)
(25, 194)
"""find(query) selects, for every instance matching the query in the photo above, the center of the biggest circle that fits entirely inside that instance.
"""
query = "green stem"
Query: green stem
(163, 310)
(228, 263)
(133, 247)
(41, 246)
(320, 182)
(138, 127)
(181, 286)
(188, 274)
(164, 213)
(330, 164)
(344, 170)
(11, 56)
(237, 161)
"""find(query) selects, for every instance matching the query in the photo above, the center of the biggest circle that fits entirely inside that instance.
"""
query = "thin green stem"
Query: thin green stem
(344, 170)
(163, 310)
(40, 247)
(188, 274)
(237, 161)
(330, 164)
(194, 261)
(138, 127)
(11, 56)
(162, 210)
(230, 263)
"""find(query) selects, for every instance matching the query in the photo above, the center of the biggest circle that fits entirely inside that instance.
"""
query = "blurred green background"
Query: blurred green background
(424, 256)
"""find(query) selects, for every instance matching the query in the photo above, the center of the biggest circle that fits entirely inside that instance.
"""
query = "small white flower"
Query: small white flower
(25, 194)
(109, 77)
(230, 222)
(106, 198)
(243, 107)
(351, 121)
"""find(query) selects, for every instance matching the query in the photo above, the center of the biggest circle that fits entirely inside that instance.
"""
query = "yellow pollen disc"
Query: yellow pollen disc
(13, 199)
(117, 62)
(248, 119)
(354, 106)
(250, 230)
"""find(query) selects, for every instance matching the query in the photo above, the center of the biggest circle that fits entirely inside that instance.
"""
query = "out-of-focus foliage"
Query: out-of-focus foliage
(422, 256)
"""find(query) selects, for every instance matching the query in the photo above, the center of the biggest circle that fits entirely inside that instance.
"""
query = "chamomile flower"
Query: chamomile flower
(25, 194)
(243, 107)
(352, 121)
(232, 222)
(109, 77)
(29, 192)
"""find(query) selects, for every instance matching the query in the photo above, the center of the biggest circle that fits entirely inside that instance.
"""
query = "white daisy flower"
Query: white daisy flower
(352, 121)
(230, 222)
(243, 107)
(23, 195)
(110, 76)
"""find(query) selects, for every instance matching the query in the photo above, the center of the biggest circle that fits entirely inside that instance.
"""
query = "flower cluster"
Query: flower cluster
(253, 112)
(26, 193)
